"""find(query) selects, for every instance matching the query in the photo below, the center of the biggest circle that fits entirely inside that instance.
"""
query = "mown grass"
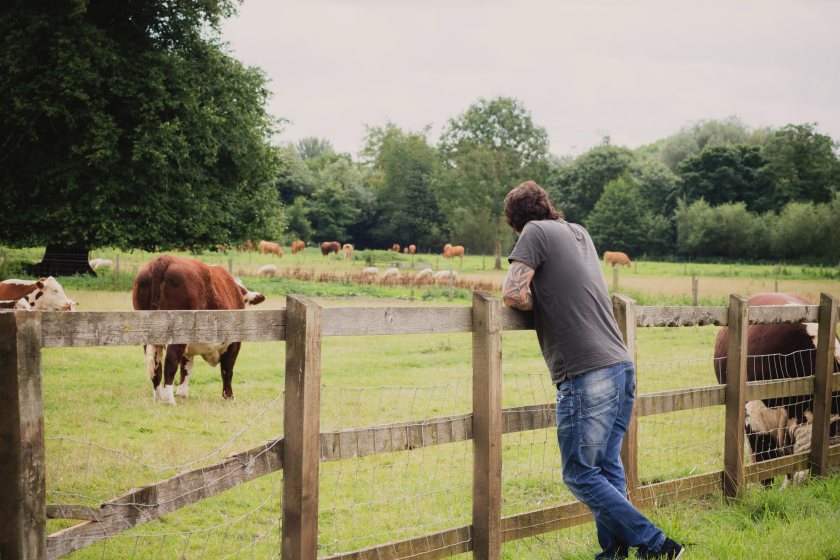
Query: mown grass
(99, 399)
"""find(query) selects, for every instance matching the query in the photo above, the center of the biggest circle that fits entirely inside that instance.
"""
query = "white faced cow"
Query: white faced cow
(172, 283)
(45, 294)
(776, 351)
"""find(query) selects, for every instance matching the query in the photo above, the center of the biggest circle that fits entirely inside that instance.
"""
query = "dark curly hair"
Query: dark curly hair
(527, 202)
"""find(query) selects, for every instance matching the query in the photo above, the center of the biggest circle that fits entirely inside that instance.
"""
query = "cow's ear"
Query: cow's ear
(809, 416)
(40, 283)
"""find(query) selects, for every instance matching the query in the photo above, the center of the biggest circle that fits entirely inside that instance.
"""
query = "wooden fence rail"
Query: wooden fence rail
(298, 452)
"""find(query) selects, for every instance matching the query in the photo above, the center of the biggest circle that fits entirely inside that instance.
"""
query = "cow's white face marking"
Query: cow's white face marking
(23, 305)
(813, 331)
(153, 357)
(167, 394)
(53, 297)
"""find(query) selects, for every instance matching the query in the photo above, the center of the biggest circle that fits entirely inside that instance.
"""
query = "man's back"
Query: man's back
(572, 310)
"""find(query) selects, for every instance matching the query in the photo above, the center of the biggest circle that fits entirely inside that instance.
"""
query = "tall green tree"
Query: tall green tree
(339, 199)
(128, 125)
(312, 146)
(803, 165)
(575, 188)
(405, 167)
(722, 174)
(488, 150)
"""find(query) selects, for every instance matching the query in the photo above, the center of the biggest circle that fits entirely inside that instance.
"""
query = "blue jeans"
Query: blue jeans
(593, 413)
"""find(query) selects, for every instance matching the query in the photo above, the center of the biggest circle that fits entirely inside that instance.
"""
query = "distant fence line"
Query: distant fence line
(303, 446)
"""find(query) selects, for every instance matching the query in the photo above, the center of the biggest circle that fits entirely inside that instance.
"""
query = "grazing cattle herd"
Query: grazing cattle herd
(774, 427)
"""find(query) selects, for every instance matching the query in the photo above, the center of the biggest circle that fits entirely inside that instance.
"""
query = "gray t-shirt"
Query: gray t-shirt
(573, 314)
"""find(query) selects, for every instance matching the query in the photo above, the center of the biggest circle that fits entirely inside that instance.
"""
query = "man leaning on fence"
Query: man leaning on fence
(555, 271)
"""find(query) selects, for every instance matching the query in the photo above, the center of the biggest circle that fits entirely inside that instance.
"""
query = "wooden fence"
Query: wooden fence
(299, 452)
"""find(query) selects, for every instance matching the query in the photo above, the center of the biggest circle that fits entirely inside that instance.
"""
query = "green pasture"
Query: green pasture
(106, 436)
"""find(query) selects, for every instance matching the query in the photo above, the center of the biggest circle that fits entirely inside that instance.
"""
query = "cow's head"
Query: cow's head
(50, 296)
(252, 298)
(21, 304)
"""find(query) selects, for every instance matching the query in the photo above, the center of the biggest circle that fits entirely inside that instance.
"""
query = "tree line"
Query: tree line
(713, 189)
(132, 126)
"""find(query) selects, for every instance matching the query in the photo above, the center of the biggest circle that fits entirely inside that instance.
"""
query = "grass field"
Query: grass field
(106, 436)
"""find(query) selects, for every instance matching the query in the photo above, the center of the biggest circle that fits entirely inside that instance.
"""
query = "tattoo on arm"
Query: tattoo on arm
(515, 292)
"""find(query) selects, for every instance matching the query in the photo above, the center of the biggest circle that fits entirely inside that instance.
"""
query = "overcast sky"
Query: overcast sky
(636, 71)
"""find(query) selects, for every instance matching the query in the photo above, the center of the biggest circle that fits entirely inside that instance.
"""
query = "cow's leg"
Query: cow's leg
(154, 366)
(186, 370)
(227, 361)
(174, 353)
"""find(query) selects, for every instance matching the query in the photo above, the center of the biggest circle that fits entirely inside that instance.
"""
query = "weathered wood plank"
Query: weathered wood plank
(428, 547)
(347, 321)
(823, 374)
(736, 388)
(531, 417)
(834, 455)
(515, 320)
(681, 399)
(756, 472)
(679, 316)
(23, 465)
(73, 511)
(401, 436)
(301, 421)
(487, 426)
(624, 309)
(783, 314)
(128, 328)
(154, 500)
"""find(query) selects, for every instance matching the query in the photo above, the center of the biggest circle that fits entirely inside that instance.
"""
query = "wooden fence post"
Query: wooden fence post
(736, 388)
(624, 309)
(695, 289)
(487, 426)
(23, 491)
(823, 378)
(301, 427)
(615, 279)
(117, 271)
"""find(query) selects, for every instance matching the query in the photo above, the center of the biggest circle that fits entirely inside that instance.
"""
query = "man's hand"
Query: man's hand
(515, 292)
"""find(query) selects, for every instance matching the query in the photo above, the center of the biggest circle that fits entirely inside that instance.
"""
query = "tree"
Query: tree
(338, 200)
(294, 177)
(489, 149)
(728, 230)
(691, 140)
(802, 164)
(311, 147)
(721, 174)
(405, 166)
(128, 125)
(576, 188)
(621, 221)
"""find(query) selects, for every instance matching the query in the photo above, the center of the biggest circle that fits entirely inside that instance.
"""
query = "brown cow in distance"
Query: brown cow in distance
(617, 258)
(267, 247)
(451, 251)
(328, 247)
(172, 283)
(348, 251)
(412, 249)
(776, 351)
(395, 247)
(298, 246)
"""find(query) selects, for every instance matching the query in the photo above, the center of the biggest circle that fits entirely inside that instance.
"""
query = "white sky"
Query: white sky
(637, 71)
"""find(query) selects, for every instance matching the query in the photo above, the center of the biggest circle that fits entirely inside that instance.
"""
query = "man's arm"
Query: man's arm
(515, 292)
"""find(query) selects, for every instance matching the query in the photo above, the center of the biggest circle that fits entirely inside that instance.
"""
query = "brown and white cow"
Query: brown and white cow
(45, 294)
(171, 283)
(328, 247)
(776, 351)
(18, 305)
(347, 248)
(617, 258)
